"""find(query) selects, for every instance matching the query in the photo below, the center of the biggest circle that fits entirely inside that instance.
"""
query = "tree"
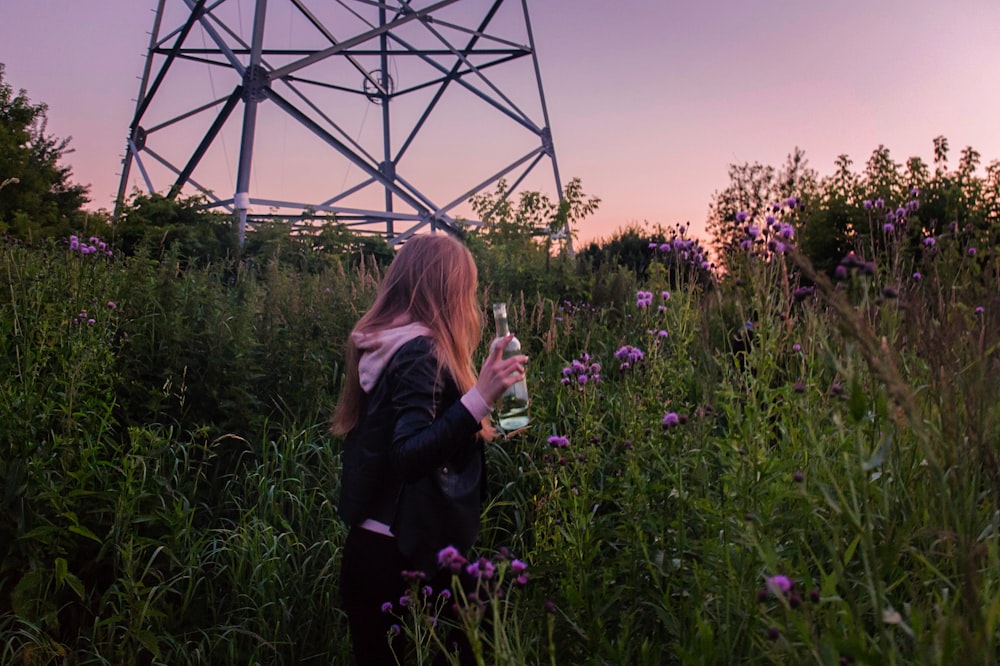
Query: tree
(824, 234)
(37, 197)
(754, 189)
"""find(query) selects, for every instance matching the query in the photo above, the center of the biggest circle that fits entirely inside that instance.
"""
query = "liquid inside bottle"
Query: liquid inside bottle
(513, 411)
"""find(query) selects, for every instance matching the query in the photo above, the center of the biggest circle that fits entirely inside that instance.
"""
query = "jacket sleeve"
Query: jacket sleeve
(432, 426)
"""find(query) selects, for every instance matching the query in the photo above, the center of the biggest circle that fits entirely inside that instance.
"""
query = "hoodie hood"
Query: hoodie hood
(378, 347)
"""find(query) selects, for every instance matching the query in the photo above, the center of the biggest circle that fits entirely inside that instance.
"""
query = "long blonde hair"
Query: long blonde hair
(431, 281)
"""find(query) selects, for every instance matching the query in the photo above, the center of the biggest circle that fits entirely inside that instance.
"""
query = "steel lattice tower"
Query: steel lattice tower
(314, 70)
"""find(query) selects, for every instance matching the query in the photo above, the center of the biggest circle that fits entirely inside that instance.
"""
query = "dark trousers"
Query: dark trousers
(370, 576)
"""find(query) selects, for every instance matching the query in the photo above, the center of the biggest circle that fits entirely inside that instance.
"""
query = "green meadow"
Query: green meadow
(766, 463)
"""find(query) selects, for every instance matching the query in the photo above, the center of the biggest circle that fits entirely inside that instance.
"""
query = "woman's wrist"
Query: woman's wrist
(476, 404)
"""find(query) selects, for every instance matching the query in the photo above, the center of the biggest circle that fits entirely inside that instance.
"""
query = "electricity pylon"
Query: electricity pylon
(298, 80)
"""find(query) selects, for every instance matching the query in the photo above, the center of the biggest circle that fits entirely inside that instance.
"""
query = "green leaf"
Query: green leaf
(876, 460)
(849, 553)
(857, 404)
(84, 532)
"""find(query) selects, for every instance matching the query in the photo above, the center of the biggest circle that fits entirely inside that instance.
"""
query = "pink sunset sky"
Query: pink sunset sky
(649, 101)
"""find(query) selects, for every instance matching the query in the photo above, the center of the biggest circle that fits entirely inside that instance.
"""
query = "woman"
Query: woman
(415, 415)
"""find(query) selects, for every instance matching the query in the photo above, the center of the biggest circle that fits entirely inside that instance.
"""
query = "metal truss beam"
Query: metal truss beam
(346, 54)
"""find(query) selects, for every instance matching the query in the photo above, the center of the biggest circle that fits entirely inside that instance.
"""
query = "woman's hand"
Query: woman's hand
(499, 373)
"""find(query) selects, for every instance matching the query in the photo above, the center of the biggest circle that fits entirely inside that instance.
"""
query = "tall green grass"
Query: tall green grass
(170, 488)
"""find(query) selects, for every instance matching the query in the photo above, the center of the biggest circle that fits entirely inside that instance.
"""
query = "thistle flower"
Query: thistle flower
(558, 442)
(779, 585)
(643, 298)
(630, 354)
(671, 419)
(449, 558)
(481, 568)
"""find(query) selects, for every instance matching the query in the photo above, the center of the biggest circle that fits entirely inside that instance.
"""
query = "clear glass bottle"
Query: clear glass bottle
(513, 411)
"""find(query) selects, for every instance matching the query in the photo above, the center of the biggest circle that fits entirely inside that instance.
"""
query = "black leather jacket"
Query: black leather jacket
(414, 460)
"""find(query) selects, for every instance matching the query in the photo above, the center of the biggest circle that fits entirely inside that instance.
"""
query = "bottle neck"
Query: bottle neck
(500, 317)
(503, 329)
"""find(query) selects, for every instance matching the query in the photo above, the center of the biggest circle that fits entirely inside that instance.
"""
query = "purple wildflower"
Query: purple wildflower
(449, 558)
(481, 568)
(387, 607)
(558, 441)
(779, 585)
(742, 216)
(671, 419)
